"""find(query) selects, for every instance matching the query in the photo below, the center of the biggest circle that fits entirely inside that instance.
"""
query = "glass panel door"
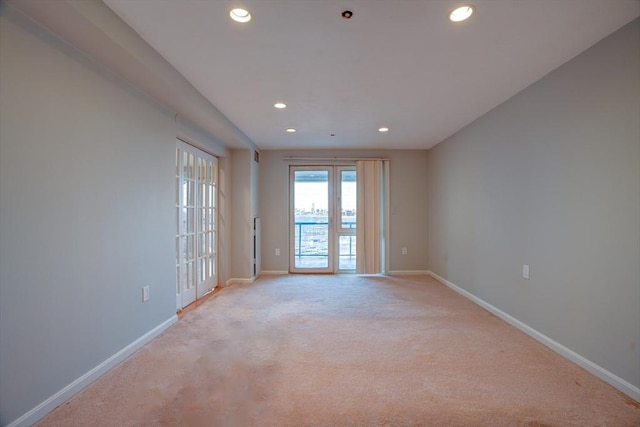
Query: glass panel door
(205, 226)
(346, 211)
(185, 211)
(312, 240)
(196, 179)
(320, 244)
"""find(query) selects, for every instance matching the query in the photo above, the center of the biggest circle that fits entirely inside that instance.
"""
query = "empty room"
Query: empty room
(319, 213)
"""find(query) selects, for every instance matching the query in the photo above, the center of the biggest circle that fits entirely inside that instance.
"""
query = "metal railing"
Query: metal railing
(316, 232)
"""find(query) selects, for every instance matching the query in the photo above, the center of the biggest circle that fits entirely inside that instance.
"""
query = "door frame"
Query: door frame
(292, 225)
(339, 230)
(334, 217)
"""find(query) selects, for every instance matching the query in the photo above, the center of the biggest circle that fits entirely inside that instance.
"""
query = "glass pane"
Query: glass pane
(347, 253)
(185, 165)
(183, 249)
(348, 199)
(189, 283)
(190, 219)
(201, 244)
(185, 195)
(178, 279)
(183, 221)
(311, 209)
(192, 166)
(212, 266)
(189, 248)
(210, 219)
(205, 171)
(192, 193)
(201, 170)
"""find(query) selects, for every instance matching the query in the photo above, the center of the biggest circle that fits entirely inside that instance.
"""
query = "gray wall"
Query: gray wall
(408, 203)
(243, 200)
(241, 217)
(551, 178)
(224, 219)
(86, 215)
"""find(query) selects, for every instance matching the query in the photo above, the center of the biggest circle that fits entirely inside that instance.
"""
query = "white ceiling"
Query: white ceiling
(396, 63)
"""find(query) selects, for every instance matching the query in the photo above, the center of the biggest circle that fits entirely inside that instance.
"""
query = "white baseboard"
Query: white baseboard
(236, 280)
(37, 413)
(597, 370)
(408, 272)
(274, 273)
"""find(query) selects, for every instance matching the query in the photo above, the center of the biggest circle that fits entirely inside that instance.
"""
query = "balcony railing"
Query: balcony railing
(312, 246)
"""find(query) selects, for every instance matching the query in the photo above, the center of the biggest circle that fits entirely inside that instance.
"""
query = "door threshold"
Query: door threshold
(198, 302)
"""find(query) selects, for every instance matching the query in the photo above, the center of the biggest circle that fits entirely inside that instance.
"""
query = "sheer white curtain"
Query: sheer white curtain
(371, 222)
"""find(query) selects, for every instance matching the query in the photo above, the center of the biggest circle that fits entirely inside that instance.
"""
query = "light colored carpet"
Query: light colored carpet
(345, 350)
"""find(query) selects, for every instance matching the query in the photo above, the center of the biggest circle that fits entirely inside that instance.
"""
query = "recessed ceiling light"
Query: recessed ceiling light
(461, 13)
(290, 130)
(240, 15)
(347, 14)
(280, 105)
(383, 129)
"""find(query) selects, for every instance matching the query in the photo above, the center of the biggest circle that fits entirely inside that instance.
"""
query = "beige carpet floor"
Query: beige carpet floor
(345, 350)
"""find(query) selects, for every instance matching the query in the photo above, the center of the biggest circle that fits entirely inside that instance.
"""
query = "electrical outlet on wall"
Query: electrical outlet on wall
(146, 294)
(525, 271)
(404, 251)
(277, 251)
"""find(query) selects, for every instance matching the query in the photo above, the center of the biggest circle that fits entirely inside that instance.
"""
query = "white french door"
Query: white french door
(322, 219)
(196, 240)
